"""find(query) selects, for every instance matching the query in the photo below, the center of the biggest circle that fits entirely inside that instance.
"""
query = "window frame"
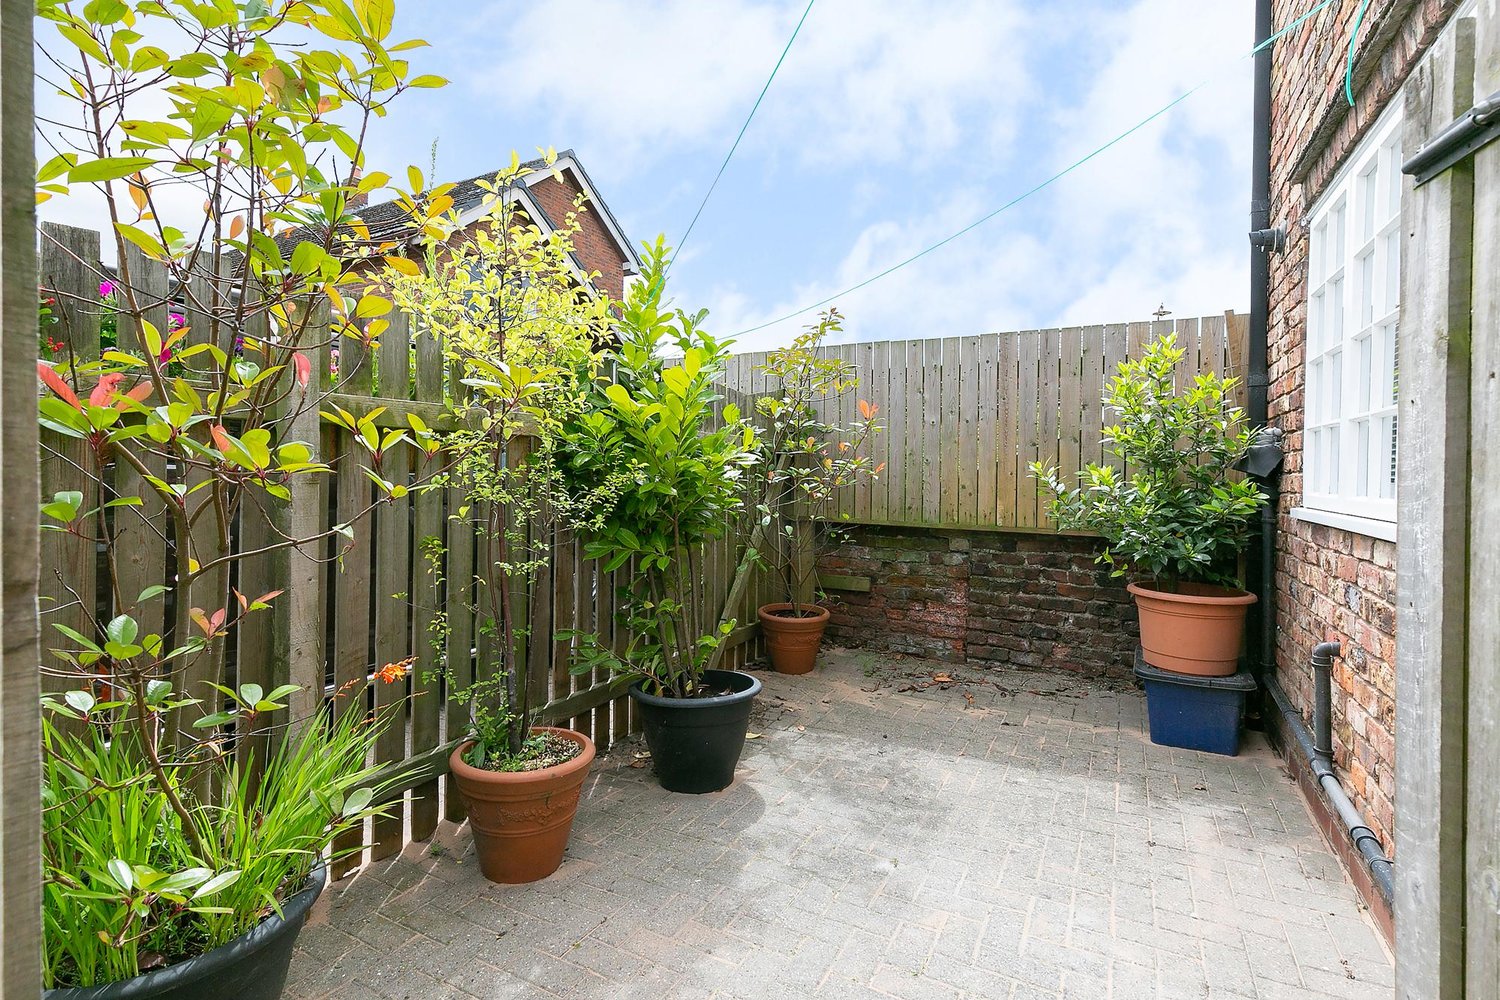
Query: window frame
(1350, 425)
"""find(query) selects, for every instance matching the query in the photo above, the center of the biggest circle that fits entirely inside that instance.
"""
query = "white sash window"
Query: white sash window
(1354, 286)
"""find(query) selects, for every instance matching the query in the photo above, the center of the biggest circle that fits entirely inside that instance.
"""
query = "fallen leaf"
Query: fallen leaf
(801, 729)
(752, 736)
(942, 679)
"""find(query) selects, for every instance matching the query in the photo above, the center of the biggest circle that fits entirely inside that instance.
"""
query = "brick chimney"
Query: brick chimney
(356, 201)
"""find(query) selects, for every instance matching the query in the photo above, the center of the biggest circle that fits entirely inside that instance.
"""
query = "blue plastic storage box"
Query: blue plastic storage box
(1195, 713)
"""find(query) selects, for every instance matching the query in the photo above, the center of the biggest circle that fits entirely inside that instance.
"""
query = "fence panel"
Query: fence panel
(963, 418)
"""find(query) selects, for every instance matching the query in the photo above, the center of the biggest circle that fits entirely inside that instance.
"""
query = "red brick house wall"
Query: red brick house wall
(592, 245)
(1333, 584)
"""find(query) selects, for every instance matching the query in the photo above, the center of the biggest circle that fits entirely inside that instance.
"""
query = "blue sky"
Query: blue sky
(890, 126)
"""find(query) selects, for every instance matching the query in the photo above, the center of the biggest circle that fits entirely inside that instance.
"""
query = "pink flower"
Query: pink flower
(106, 289)
(176, 320)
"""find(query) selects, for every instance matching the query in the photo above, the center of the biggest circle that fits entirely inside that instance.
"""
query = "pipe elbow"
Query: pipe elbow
(1324, 652)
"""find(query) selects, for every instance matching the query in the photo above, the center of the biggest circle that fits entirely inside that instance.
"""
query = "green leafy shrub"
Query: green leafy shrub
(1180, 513)
(654, 419)
(808, 460)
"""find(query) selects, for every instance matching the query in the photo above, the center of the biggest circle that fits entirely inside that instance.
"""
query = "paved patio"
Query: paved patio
(1003, 835)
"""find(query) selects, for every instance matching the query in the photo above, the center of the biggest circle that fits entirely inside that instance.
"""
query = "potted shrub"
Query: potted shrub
(520, 336)
(809, 465)
(653, 420)
(1179, 517)
(185, 826)
(154, 889)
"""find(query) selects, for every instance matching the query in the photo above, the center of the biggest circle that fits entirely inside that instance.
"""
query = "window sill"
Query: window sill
(1369, 526)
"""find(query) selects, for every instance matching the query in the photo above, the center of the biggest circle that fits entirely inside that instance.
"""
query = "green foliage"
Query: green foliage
(807, 459)
(1182, 513)
(654, 420)
(131, 885)
(258, 111)
(507, 309)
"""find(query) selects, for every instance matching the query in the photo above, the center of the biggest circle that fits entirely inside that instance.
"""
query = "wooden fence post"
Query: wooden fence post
(1432, 538)
(1482, 912)
(20, 739)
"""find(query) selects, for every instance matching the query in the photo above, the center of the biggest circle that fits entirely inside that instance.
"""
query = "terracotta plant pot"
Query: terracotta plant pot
(1197, 629)
(793, 642)
(521, 819)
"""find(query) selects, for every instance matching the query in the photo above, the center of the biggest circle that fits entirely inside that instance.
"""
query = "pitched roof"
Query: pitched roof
(389, 222)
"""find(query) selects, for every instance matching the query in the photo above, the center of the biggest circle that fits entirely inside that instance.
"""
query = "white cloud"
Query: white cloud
(965, 292)
(866, 79)
(1158, 218)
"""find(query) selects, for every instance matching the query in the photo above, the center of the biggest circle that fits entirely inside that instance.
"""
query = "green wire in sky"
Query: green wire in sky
(1044, 184)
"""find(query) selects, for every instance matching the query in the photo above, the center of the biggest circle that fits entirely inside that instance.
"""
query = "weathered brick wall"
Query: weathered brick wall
(1331, 583)
(1001, 599)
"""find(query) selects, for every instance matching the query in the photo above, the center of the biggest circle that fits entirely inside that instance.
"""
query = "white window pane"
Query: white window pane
(1336, 227)
(1315, 324)
(1388, 441)
(1314, 401)
(1316, 252)
(1333, 328)
(1392, 270)
(1365, 401)
(1331, 465)
(1393, 373)
(1393, 183)
(1365, 290)
(1362, 459)
(1336, 385)
(1368, 193)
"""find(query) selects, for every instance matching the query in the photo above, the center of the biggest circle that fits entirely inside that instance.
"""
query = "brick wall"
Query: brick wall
(994, 599)
(1331, 583)
(592, 244)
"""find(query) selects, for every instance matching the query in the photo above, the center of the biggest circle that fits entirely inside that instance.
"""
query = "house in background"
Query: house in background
(1342, 253)
(544, 195)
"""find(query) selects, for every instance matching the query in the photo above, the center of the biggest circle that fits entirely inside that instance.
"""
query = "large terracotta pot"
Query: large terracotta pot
(793, 642)
(251, 967)
(521, 819)
(1197, 629)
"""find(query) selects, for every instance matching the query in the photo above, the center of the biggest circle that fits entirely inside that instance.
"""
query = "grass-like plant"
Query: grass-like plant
(129, 886)
(1180, 513)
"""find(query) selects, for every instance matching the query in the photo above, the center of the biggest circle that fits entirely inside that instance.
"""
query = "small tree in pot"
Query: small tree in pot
(1180, 517)
(184, 828)
(654, 420)
(809, 464)
(520, 333)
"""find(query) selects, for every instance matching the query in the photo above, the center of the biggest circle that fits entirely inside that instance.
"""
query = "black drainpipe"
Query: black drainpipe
(1264, 240)
(1318, 748)
(1264, 463)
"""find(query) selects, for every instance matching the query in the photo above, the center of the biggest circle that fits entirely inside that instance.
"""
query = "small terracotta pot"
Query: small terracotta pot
(1197, 629)
(521, 819)
(793, 642)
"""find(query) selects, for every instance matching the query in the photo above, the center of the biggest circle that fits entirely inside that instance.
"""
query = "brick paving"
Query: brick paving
(1007, 835)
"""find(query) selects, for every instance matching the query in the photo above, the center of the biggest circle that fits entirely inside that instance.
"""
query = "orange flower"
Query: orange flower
(393, 672)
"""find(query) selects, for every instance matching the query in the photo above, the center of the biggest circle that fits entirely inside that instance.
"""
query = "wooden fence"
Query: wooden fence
(340, 619)
(964, 417)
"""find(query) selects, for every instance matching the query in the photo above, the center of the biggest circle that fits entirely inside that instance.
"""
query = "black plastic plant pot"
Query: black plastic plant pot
(251, 967)
(696, 742)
